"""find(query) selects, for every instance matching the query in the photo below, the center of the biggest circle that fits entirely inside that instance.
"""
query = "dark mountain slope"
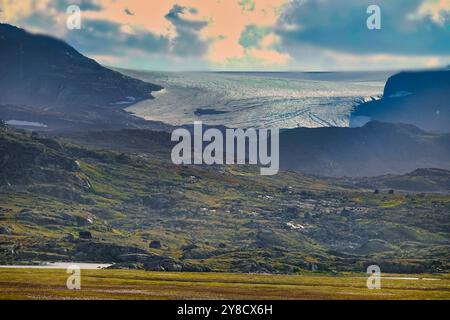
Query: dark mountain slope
(374, 149)
(420, 180)
(421, 98)
(49, 79)
(45, 72)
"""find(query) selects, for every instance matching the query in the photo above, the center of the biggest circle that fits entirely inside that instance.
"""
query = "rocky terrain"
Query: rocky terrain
(61, 201)
(96, 185)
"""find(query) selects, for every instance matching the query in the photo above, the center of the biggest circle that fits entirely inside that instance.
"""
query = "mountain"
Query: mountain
(372, 150)
(375, 149)
(44, 77)
(420, 98)
(420, 180)
(60, 201)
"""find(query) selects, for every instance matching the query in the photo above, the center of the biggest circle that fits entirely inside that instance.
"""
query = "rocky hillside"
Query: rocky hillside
(63, 202)
(420, 98)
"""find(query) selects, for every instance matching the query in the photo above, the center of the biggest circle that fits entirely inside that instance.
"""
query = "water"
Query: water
(244, 99)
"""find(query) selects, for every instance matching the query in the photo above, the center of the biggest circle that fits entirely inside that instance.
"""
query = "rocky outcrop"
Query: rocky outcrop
(155, 244)
(84, 235)
(5, 230)
(154, 262)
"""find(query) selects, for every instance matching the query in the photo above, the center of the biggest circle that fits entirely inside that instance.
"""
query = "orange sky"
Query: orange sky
(222, 27)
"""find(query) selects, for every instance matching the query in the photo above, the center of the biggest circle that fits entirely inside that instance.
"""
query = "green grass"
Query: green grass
(126, 284)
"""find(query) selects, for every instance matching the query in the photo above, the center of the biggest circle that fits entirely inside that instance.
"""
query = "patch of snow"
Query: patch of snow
(400, 94)
(295, 226)
(26, 123)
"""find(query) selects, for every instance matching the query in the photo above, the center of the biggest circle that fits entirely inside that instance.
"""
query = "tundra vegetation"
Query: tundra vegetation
(115, 202)
(138, 284)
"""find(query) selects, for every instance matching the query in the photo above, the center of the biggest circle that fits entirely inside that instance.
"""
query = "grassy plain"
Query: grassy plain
(131, 284)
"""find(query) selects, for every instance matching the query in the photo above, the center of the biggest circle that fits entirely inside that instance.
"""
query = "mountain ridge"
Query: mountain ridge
(47, 76)
(420, 98)
(374, 149)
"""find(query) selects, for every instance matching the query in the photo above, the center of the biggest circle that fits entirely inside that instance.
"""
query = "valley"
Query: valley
(64, 202)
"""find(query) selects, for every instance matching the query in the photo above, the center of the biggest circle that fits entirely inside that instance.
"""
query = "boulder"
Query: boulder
(5, 230)
(152, 262)
(84, 235)
(70, 237)
(155, 244)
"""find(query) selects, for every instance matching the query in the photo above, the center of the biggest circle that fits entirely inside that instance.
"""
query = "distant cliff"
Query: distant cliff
(44, 75)
(376, 148)
(421, 98)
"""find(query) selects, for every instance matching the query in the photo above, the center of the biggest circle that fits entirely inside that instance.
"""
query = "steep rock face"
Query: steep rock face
(421, 98)
(41, 71)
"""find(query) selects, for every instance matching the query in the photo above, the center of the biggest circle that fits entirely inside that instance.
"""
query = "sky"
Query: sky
(261, 35)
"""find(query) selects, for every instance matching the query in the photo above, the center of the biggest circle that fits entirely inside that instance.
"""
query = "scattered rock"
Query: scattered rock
(295, 226)
(155, 244)
(157, 202)
(82, 222)
(84, 235)
(70, 237)
(189, 247)
(5, 230)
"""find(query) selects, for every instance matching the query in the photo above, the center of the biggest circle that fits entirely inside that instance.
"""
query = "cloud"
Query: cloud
(187, 41)
(228, 20)
(175, 29)
(409, 27)
(129, 12)
(245, 34)
(438, 10)
(85, 5)
(252, 36)
(105, 38)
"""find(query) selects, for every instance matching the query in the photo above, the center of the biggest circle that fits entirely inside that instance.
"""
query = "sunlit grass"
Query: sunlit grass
(128, 284)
